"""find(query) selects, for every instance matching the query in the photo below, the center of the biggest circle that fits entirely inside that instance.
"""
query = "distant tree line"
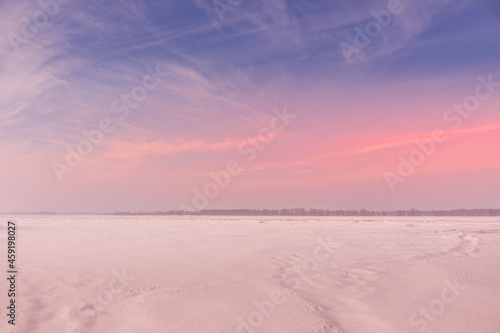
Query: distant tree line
(324, 212)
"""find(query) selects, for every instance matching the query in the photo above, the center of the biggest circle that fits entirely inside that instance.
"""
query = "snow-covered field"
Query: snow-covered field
(254, 274)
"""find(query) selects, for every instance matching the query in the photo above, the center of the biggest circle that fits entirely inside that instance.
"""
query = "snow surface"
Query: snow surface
(254, 274)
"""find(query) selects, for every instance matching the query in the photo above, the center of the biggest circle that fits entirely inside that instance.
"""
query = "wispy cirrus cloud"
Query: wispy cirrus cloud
(225, 77)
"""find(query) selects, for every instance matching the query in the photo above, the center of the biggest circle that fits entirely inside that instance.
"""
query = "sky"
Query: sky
(131, 105)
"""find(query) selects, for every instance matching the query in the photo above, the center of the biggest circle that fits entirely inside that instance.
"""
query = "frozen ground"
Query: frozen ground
(255, 274)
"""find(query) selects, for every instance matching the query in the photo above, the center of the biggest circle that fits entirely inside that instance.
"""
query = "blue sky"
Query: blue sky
(225, 76)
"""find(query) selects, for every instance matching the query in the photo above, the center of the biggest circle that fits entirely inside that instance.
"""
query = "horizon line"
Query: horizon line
(289, 212)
